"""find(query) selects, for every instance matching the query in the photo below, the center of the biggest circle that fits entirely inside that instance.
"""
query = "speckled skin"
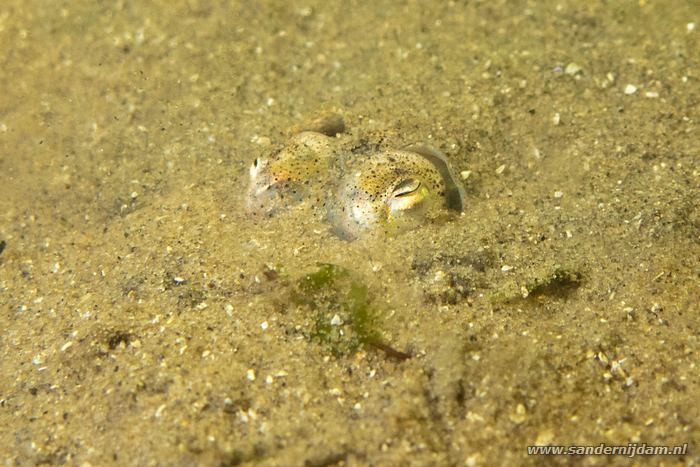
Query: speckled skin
(369, 195)
(297, 173)
(392, 189)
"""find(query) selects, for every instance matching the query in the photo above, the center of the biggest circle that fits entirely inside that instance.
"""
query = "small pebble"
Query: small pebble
(506, 268)
(558, 194)
(159, 411)
(524, 292)
(250, 374)
(465, 174)
(520, 414)
(556, 119)
(264, 325)
(261, 140)
(630, 89)
(544, 438)
(690, 26)
(651, 94)
(500, 169)
(572, 69)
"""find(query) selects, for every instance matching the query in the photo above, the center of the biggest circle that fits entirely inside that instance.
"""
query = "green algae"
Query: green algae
(343, 316)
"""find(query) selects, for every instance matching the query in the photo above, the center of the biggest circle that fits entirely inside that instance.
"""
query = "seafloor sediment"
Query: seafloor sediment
(145, 318)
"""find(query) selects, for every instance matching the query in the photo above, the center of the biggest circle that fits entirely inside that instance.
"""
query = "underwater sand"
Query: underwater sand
(147, 320)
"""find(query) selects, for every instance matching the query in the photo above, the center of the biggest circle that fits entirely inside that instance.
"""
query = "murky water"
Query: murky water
(148, 319)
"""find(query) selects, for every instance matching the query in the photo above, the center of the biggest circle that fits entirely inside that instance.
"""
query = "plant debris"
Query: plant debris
(343, 317)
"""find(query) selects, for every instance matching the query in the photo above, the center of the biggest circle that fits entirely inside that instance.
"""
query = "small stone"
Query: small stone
(556, 119)
(263, 140)
(250, 374)
(465, 174)
(520, 414)
(506, 268)
(572, 69)
(603, 359)
(336, 321)
(500, 169)
(544, 438)
(690, 27)
(558, 194)
(651, 94)
(159, 411)
(524, 292)
(264, 325)
(630, 89)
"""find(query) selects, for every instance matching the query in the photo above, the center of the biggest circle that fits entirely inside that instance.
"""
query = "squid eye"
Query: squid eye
(254, 167)
(406, 188)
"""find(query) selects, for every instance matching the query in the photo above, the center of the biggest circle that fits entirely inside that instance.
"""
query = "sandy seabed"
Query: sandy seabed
(146, 319)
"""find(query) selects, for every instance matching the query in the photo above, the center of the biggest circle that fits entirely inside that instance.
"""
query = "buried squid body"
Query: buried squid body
(390, 190)
(394, 190)
(295, 174)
